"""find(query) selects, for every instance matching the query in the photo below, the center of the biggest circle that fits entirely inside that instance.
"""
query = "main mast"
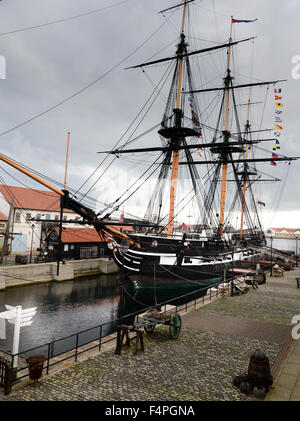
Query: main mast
(178, 117)
(174, 133)
(226, 138)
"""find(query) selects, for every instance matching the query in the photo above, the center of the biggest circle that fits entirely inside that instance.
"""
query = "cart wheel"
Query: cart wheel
(149, 327)
(175, 326)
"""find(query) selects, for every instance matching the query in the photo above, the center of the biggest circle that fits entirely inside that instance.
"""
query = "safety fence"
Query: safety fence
(96, 338)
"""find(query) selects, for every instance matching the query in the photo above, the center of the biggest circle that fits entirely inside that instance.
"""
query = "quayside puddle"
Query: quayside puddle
(65, 308)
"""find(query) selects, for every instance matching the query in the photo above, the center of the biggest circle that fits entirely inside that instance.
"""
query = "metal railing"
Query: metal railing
(72, 346)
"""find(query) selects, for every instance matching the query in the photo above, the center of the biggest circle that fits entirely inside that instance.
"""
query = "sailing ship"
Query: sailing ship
(156, 253)
(161, 255)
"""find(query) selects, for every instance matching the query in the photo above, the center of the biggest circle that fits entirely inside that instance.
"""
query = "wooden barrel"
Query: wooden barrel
(259, 371)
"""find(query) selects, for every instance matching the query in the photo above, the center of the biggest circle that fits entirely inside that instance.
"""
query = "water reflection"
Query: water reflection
(137, 300)
(63, 308)
(66, 308)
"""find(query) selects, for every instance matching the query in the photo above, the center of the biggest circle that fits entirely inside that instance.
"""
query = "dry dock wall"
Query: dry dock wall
(46, 272)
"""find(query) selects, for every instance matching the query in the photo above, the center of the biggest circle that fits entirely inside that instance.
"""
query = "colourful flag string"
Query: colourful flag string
(277, 128)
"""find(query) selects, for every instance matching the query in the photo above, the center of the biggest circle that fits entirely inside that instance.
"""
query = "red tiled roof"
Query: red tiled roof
(83, 235)
(2, 217)
(43, 200)
(79, 235)
(290, 230)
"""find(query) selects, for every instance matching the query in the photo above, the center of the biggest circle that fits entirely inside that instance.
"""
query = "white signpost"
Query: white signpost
(19, 318)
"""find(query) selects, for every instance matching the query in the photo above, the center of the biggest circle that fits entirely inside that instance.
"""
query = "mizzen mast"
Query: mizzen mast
(245, 170)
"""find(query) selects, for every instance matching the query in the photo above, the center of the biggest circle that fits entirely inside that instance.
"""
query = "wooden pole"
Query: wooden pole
(224, 168)
(180, 63)
(67, 155)
(173, 188)
(175, 161)
(30, 174)
(60, 248)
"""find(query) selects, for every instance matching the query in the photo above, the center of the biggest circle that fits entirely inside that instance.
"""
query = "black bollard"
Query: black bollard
(259, 371)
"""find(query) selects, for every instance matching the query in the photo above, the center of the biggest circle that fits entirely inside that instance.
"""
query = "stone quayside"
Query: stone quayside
(215, 345)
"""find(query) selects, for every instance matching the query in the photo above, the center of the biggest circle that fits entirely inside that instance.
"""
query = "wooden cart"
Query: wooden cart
(152, 318)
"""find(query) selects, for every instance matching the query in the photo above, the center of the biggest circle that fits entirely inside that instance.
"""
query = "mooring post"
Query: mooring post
(8, 379)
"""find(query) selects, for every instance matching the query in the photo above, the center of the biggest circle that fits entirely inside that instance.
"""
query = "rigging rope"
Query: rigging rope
(125, 200)
(78, 92)
(63, 20)
(165, 75)
(279, 196)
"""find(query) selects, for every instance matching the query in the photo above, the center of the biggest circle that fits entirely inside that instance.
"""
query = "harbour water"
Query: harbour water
(63, 308)
(66, 308)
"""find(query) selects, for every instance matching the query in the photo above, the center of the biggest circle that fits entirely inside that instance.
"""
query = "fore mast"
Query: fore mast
(177, 124)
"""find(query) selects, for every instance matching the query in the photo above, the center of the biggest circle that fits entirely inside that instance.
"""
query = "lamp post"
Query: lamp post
(123, 248)
(32, 227)
(271, 256)
(297, 251)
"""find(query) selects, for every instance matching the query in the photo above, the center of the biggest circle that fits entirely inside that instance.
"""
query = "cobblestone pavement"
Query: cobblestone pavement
(267, 303)
(197, 366)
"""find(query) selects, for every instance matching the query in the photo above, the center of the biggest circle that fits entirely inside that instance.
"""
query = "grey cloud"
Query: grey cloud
(47, 65)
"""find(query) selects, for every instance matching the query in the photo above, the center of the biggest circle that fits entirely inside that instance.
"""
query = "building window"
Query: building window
(66, 247)
(65, 218)
(2, 225)
(48, 216)
(38, 216)
(56, 217)
(17, 217)
(28, 216)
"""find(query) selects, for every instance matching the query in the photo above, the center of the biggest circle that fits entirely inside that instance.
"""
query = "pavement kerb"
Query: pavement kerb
(286, 384)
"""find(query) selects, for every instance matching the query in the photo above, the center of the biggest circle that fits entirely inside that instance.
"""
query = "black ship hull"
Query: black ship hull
(184, 268)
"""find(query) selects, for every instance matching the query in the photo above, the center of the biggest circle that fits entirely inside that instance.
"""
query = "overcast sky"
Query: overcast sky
(46, 65)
